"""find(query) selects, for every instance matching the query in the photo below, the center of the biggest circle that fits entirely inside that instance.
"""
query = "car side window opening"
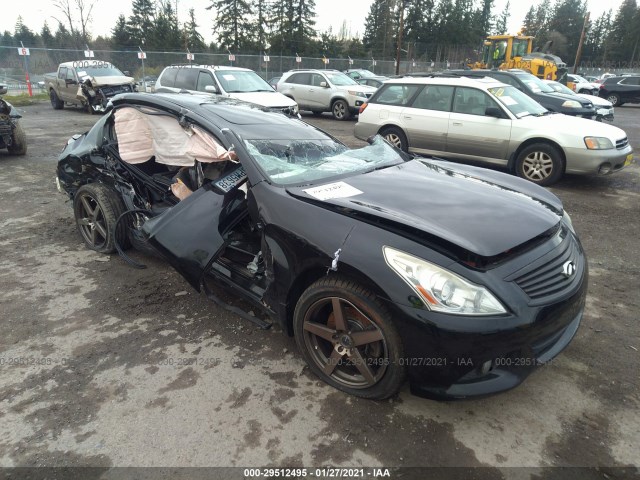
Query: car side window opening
(316, 79)
(168, 78)
(630, 81)
(70, 74)
(397, 94)
(471, 101)
(182, 157)
(434, 97)
(205, 79)
(187, 78)
(62, 73)
(300, 78)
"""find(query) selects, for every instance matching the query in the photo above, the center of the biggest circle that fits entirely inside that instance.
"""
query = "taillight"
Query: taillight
(362, 108)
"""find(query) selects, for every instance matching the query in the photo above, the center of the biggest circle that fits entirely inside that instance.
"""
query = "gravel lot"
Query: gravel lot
(103, 365)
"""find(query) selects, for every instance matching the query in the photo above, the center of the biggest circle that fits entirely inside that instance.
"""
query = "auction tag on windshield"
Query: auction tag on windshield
(332, 190)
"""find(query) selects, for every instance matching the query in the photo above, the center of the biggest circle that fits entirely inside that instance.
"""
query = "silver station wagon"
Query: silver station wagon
(483, 120)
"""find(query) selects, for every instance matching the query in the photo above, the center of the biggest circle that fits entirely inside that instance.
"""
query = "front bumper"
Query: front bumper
(450, 357)
(592, 162)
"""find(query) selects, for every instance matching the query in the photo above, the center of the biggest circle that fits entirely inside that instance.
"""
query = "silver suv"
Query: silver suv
(484, 120)
(233, 82)
(325, 91)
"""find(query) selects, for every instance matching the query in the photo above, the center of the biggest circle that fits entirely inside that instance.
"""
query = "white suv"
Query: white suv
(239, 83)
(483, 120)
(325, 91)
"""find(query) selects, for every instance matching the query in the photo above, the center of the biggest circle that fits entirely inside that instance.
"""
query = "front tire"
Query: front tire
(614, 99)
(19, 141)
(396, 137)
(540, 163)
(56, 103)
(348, 339)
(96, 209)
(340, 110)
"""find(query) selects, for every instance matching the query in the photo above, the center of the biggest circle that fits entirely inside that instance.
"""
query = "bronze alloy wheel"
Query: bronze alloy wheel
(91, 221)
(348, 338)
(96, 209)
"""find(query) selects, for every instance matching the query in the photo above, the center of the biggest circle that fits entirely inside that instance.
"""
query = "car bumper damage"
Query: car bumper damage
(96, 94)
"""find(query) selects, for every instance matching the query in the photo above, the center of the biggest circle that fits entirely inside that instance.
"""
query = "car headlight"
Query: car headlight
(440, 289)
(356, 94)
(598, 143)
(567, 219)
(571, 104)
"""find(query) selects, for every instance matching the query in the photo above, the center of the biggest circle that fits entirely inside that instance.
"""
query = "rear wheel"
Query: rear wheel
(348, 339)
(340, 110)
(18, 141)
(96, 209)
(56, 103)
(396, 137)
(614, 99)
(540, 163)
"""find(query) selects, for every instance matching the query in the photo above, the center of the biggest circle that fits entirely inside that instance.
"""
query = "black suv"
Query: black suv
(539, 91)
(620, 90)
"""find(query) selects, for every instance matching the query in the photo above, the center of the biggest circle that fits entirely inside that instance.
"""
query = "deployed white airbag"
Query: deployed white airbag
(144, 135)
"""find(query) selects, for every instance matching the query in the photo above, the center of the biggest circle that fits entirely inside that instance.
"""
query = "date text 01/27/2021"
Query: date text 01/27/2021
(323, 472)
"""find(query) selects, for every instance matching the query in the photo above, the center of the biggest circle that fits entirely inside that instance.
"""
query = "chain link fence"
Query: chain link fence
(40, 60)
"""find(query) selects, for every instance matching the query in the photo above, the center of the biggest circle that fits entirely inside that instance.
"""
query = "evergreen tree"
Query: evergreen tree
(233, 23)
(303, 24)
(192, 38)
(22, 33)
(380, 26)
(46, 37)
(567, 19)
(261, 24)
(503, 19)
(624, 32)
(121, 40)
(165, 32)
(141, 22)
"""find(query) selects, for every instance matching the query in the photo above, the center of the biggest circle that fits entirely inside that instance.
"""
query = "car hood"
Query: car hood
(264, 99)
(481, 211)
(357, 88)
(112, 80)
(570, 125)
(597, 101)
(565, 96)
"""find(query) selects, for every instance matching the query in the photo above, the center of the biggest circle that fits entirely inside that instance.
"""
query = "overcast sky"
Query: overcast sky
(331, 13)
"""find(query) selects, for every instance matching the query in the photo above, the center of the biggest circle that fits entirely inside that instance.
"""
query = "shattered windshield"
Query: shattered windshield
(304, 162)
(240, 81)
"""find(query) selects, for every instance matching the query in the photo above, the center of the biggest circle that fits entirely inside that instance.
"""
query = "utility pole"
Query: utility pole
(579, 52)
(398, 51)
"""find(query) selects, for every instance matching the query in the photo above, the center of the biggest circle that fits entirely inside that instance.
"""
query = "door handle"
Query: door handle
(457, 124)
(408, 117)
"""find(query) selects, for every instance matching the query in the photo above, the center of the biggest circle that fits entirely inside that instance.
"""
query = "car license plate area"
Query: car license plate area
(629, 160)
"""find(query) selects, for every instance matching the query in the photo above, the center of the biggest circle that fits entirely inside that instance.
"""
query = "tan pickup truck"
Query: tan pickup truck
(89, 83)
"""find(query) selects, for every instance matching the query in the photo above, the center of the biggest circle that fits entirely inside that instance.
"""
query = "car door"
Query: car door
(629, 88)
(296, 86)
(190, 235)
(69, 86)
(319, 96)
(426, 119)
(472, 133)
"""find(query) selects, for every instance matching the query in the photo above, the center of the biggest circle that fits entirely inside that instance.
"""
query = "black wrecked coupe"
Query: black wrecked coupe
(381, 265)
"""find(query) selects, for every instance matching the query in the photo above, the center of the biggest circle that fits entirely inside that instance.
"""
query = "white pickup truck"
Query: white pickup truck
(89, 83)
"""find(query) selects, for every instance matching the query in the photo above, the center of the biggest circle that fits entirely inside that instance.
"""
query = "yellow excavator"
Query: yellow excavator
(516, 51)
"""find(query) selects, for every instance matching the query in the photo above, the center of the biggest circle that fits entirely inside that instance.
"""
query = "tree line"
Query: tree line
(433, 29)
